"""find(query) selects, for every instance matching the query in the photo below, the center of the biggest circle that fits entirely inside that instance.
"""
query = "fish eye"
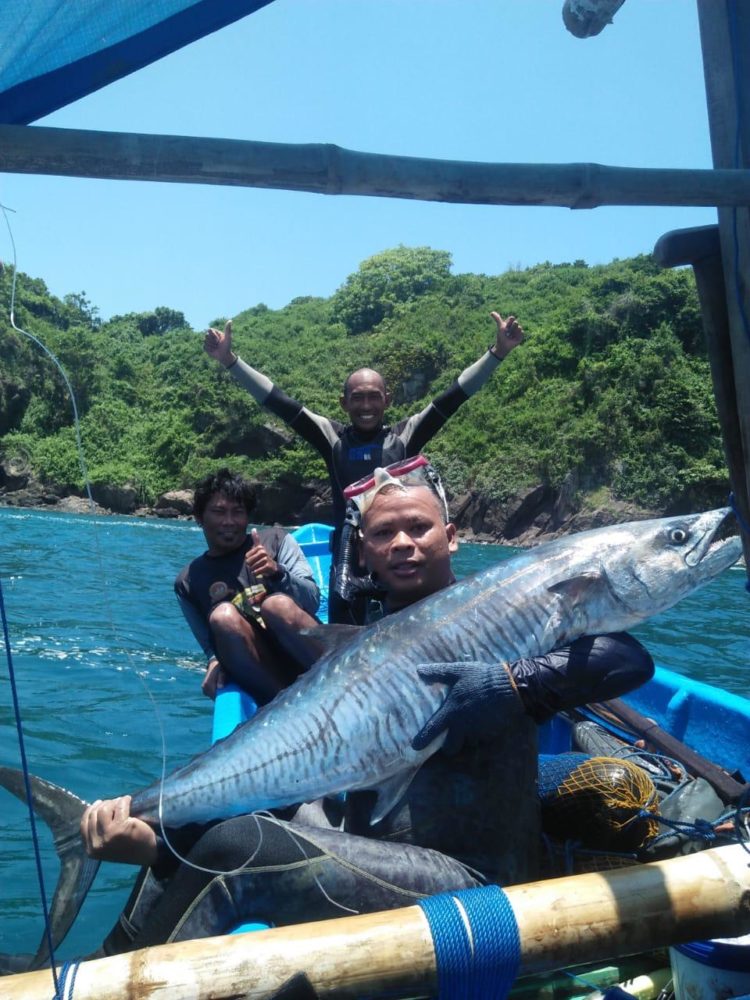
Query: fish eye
(678, 536)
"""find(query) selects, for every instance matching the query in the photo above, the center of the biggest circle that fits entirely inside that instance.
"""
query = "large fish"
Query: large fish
(348, 723)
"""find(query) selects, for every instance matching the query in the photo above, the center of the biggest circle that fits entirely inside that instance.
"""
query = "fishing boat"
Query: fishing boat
(702, 730)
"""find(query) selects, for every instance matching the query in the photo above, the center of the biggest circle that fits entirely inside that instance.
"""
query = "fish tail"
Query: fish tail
(61, 810)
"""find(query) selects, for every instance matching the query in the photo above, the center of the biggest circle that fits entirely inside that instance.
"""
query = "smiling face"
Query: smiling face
(365, 400)
(224, 522)
(407, 545)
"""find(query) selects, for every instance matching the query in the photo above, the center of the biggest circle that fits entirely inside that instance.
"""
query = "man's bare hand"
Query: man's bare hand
(509, 334)
(214, 679)
(258, 559)
(110, 833)
(218, 345)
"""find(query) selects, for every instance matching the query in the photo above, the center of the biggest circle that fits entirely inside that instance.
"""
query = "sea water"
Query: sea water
(108, 678)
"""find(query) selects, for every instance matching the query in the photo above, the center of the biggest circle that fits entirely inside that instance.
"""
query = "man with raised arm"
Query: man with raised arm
(352, 450)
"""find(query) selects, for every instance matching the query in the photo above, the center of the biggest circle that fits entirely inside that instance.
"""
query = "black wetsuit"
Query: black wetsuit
(327, 860)
(349, 454)
(209, 580)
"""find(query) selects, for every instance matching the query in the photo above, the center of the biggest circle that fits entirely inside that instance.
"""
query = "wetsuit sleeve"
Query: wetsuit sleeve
(296, 577)
(591, 669)
(257, 384)
(318, 431)
(196, 621)
(416, 431)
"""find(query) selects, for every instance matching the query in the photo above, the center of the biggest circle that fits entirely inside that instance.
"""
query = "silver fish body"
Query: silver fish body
(348, 723)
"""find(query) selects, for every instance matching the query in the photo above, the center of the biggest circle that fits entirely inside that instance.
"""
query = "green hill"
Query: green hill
(610, 392)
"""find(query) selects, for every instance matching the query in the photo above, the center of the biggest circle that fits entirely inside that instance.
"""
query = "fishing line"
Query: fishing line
(27, 785)
(325, 853)
(242, 868)
(105, 605)
(76, 422)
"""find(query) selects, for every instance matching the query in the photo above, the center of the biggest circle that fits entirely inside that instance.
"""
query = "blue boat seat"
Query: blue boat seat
(233, 705)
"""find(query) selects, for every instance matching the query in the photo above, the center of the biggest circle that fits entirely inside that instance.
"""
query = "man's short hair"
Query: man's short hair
(230, 484)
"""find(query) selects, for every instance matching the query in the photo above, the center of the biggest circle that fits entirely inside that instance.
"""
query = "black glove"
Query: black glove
(592, 668)
(479, 696)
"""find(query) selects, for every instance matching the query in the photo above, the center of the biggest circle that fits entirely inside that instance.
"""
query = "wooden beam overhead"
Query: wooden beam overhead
(330, 169)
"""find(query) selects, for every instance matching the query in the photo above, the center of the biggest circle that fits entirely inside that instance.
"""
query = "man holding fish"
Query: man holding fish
(464, 815)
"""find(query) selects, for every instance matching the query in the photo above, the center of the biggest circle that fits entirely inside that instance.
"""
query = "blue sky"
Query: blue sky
(488, 80)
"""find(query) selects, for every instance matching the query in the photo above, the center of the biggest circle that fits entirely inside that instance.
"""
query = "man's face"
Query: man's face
(407, 546)
(366, 400)
(224, 524)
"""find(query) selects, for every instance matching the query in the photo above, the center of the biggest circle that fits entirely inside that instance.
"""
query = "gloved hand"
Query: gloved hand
(480, 695)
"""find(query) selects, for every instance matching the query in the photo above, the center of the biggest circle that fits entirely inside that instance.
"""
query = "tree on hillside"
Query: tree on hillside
(398, 275)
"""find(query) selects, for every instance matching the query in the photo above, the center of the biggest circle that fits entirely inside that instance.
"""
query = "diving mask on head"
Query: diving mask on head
(415, 471)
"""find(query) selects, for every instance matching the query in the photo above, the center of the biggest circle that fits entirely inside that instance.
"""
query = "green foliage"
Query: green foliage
(385, 280)
(611, 386)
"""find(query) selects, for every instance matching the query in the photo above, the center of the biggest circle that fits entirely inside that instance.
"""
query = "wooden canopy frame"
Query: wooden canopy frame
(329, 169)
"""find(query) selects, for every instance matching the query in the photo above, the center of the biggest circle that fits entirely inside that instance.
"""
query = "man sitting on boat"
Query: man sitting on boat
(243, 590)
(470, 815)
(354, 450)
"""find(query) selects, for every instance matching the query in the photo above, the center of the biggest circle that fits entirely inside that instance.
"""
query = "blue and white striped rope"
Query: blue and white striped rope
(477, 944)
(64, 990)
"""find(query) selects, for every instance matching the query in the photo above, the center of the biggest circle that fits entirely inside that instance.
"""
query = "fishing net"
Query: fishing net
(602, 803)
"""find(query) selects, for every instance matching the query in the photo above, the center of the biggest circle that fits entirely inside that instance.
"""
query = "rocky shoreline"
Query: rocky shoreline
(536, 515)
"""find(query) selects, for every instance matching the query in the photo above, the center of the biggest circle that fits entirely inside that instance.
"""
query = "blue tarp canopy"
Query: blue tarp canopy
(54, 51)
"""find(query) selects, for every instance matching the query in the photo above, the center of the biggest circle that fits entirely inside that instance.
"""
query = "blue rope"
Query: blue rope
(27, 785)
(699, 828)
(741, 806)
(477, 955)
(745, 527)
(736, 511)
(60, 989)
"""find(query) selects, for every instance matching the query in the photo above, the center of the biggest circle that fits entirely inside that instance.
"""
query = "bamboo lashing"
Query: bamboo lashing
(565, 921)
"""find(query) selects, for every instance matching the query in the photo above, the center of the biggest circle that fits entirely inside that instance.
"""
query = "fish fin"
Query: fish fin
(578, 586)
(61, 810)
(392, 790)
(332, 637)
(577, 590)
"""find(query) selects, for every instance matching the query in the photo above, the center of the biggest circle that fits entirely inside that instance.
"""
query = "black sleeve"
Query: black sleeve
(416, 431)
(591, 669)
(318, 431)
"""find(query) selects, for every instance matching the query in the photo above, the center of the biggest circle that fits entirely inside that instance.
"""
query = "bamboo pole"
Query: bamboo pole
(584, 918)
(725, 43)
(330, 169)
(701, 248)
